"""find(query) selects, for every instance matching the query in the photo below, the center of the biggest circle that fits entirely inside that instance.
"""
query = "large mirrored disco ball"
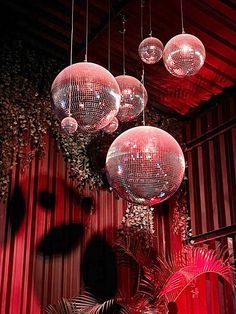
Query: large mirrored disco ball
(112, 127)
(184, 55)
(69, 125)
(133, 97)
(150, 50)
(93, 93)
(145, 165)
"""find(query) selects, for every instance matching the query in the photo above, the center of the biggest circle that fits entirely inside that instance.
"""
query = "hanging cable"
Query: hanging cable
(109, 37)
(150, 17)
(141, 18)
(71, 51)
(86, 39)
(143, 81)
(72, 32)
(143, 71)
(123, 37)
(182, 16)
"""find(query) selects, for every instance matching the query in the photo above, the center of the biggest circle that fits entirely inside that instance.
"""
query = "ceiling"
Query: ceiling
(46, 24)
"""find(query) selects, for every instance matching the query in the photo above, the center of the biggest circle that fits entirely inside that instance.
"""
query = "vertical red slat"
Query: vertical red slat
(202, 190)
(213, 307)
(213, 185)
(234, 148)
(191, 191)
(6, 247)
(225, 181)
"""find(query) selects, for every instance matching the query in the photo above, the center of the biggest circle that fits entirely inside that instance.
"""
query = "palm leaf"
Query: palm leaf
(61, 307)
(88, 304)
(85, 304)
(162, 279)
(131, 247)
(192, 263)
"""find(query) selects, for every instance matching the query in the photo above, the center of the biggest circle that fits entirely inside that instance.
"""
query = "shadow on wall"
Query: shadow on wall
(61, 240)
(52, 255)
(16, 209)
(99, 269)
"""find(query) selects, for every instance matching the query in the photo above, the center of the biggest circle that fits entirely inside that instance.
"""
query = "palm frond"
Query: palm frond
(192, 263)
(131, 246)
(88, 304)
(162, 279)
(61, 307)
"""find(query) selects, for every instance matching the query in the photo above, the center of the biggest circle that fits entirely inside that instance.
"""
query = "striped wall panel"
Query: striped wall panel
(28, 280)
(211, 160)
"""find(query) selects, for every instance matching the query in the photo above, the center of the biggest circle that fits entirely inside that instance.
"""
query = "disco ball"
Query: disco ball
(91, 90)
(112, 127)
(184, 55)
(145, 165)
(133, 97)
(150, 50)
(69, 125)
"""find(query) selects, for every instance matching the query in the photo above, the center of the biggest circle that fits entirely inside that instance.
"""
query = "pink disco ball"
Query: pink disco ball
(145, 165)
(150, 50)
(133, 97)
(69, 125)
(111, 127)
(92, 91)
(184, 55)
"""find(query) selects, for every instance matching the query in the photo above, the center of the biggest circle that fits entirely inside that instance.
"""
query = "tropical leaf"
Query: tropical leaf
(163, 279)
(132, 247)
(61, 307)
(192, 263)
(86, 304)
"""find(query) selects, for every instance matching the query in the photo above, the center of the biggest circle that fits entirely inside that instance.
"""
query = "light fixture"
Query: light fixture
(150, 49)
(95, 95)
(145, 165)
(133, 97)
(184, 54)
(133, 93)
(69, 125)
(111, 127)
(87, 91)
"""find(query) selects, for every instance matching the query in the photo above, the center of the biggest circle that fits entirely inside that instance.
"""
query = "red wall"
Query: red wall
(211, 160)
(30, 281)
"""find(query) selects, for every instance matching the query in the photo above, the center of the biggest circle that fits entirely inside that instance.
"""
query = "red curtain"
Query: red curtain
(29, 281)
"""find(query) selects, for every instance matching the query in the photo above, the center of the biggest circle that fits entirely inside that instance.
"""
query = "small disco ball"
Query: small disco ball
(91, 90)
(112, 127)
(133, 97)
(69, 125)
(184, 55)
(150, 50)
(145, 165)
